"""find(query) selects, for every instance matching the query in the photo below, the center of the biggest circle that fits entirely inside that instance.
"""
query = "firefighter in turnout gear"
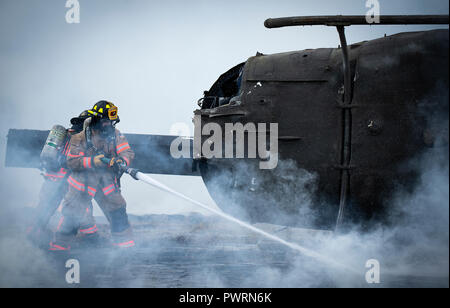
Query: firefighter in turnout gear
(94, 157)
(55, 183)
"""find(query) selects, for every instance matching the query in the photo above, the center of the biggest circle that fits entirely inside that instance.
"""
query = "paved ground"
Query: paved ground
(183, 251)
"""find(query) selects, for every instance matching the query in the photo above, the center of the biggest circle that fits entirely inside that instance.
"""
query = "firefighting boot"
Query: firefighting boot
(62, 241)
(123, 239)
(65, 234)
(89, 237)
(122, 235)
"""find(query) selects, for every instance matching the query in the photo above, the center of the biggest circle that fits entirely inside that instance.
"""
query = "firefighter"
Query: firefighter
(55, 184)
(94, 157)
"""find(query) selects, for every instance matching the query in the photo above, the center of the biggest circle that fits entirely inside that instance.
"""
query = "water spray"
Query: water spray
(137, 175)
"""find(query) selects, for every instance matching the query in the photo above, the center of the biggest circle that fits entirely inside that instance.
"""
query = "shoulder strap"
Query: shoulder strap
(119, 175)
(88, 136)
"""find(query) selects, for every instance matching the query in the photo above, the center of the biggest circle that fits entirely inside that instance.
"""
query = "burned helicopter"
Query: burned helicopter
(349, 121)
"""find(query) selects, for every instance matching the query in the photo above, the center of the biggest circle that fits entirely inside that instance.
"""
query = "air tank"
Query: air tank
(51, 151)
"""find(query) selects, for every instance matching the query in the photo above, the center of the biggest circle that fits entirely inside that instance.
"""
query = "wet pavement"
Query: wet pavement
(195, 251)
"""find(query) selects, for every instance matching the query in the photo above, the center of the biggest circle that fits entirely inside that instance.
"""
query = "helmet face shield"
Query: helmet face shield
(105, 123)
(106, 127)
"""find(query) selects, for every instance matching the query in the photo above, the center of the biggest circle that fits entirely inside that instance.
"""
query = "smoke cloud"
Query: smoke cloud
(154, 61)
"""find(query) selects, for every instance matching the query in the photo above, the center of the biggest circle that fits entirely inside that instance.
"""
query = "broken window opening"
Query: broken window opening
(225, 91)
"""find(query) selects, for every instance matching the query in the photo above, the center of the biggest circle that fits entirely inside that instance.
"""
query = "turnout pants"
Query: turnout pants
(52, 192)
(77, 208)
(50, 196)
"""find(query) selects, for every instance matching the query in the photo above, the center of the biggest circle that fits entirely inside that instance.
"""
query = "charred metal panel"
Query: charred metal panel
(301, 92)
(152, 152)
(307, 66)
(401, 83)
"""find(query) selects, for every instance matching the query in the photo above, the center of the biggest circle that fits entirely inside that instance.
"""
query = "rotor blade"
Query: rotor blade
(348, 20)
(152, 152)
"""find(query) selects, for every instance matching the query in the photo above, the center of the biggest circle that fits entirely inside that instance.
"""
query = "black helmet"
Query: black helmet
(104, 118)
(77, 122)
(105, 110)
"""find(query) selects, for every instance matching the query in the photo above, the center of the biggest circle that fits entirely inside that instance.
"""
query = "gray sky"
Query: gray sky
(153, 59)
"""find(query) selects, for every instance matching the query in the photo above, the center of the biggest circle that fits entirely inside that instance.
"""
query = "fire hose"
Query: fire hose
(139, 176)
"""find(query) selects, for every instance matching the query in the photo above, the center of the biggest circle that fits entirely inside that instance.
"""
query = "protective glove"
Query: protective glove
(98, 160)
(115, 161)
(118, 164)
